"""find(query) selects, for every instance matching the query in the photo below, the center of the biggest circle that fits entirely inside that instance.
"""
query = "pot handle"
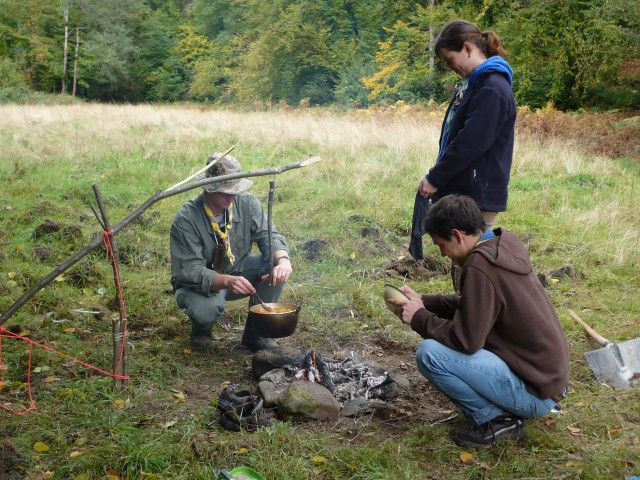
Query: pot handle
(294, 292)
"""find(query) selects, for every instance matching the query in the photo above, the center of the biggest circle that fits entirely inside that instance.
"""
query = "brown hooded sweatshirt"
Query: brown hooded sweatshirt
(502, 308)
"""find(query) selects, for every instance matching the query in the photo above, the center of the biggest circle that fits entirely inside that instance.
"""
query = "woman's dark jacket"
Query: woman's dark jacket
(479, 151)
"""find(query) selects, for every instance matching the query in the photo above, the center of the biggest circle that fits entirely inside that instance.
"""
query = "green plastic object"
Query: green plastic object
(246, 473)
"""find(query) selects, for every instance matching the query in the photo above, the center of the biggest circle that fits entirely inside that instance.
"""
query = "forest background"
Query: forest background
(354, 53)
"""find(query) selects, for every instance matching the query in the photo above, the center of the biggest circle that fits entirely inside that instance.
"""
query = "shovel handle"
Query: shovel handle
(603, 342)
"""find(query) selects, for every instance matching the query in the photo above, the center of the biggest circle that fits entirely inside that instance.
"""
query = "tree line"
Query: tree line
(355, 53)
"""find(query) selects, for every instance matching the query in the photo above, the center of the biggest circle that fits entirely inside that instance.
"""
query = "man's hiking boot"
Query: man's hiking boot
(200, 336)
(503, 427)
(253, 341)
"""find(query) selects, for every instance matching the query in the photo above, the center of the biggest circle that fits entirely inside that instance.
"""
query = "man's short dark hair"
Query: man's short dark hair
(454, 211)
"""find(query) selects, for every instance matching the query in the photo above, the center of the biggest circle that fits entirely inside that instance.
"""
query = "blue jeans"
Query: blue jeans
(204, 311)
(481, 385)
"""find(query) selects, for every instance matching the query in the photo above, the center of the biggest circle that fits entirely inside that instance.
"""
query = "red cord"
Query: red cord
(4, 333)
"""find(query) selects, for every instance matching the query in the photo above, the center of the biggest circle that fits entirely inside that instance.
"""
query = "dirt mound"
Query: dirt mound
(412, 269)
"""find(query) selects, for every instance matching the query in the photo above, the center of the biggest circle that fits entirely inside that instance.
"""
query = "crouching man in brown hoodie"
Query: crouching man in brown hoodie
(497, 350)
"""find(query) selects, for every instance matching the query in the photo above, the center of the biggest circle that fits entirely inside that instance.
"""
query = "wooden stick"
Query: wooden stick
(156, 197)
(209, 165)
(603, 342)
(272, 189)
(118, 327)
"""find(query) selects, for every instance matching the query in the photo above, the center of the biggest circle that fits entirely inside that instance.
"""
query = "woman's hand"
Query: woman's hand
(425, 189)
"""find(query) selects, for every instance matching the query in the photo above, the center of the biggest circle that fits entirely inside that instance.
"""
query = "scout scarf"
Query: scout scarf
(224, 236)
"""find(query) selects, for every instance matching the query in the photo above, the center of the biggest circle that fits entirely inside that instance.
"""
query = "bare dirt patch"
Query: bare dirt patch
(411, 269)
(204, 375)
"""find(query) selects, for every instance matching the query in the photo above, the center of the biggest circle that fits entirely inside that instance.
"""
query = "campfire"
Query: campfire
(347, 380)
(306, 378)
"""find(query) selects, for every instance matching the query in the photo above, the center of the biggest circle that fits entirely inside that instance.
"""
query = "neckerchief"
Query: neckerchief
(224, 236)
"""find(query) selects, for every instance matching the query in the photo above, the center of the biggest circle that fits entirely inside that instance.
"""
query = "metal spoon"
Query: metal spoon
(264, 305)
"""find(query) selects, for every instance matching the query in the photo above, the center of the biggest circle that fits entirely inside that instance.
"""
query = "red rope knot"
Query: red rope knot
(106, 239)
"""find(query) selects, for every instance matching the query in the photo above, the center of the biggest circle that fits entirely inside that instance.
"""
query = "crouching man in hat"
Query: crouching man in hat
(211, 254)
(497, 350)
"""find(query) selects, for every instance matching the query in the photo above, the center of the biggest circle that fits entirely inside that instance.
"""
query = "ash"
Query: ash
(348, 379)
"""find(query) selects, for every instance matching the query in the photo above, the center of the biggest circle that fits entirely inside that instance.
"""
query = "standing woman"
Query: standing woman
(476, 141)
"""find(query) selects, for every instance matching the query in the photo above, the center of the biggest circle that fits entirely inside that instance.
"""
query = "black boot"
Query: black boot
(253, 341)
(200, 336)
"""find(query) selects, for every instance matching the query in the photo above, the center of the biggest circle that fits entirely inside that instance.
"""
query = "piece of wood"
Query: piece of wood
(118, 326)
(207, 167)
(272, 189)
(603, 342)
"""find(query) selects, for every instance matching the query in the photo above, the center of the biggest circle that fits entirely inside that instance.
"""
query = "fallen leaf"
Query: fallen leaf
(574, 430)
(82, 476)
(41, 369)
(242, 451)
(59, 278)
(178, 396)
(319, 459)
(51, 379)
(187, 351)
(168, 424)
(41, 447)
(149, 475)
(614, 431)
(466, 457)
(75, 454)
(80, 441)
(68, 330)
(122, 404)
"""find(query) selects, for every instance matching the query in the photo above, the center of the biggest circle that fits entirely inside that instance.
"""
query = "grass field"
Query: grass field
(347, 220)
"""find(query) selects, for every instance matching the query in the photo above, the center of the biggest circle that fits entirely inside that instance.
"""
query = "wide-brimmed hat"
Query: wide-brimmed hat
(224, 166)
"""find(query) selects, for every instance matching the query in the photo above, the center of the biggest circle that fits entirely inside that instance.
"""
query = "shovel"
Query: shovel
(615, 364)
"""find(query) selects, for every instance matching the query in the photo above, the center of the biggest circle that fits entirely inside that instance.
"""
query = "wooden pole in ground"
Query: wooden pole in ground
(118, 325)
(156, 197)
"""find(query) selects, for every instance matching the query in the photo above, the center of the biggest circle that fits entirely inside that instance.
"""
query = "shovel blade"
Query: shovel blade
(616, 365)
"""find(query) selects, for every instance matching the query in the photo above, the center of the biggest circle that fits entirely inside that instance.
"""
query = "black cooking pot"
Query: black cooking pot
(281, 322)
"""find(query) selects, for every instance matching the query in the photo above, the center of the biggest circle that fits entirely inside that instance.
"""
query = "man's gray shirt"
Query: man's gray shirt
(193, 242)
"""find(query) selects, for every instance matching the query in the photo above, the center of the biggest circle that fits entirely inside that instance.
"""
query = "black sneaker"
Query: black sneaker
(503, 427)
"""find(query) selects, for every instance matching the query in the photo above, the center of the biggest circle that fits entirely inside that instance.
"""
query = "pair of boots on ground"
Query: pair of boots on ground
(201, 337)
(240, 411)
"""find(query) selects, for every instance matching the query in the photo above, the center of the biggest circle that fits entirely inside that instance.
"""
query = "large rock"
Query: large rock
(308, 400)
(271, 385)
